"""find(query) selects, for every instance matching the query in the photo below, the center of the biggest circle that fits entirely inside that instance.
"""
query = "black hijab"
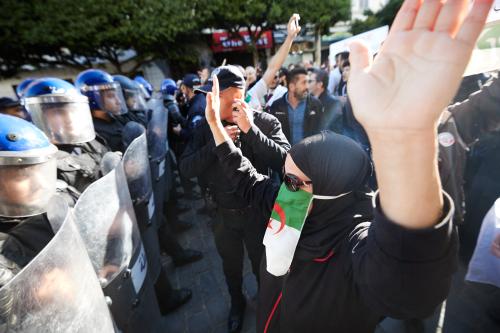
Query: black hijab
(336, 165)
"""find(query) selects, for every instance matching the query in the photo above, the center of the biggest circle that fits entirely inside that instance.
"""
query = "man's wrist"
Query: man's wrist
(245, 127)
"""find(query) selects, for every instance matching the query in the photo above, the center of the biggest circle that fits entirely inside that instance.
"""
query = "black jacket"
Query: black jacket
(20, 241)
(111, 132)
(462, 125)
(264, 144)
(314, 121)
(379, 269)
(333, 112)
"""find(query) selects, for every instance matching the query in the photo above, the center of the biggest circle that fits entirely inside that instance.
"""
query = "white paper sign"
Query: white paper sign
(486, 55)
(373, 39)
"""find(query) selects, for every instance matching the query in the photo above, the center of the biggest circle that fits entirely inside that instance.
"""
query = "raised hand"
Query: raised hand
(212, 109)
(293, 27)
(419, 68)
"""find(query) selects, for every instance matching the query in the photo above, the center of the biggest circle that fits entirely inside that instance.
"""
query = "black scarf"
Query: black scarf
(335, 164)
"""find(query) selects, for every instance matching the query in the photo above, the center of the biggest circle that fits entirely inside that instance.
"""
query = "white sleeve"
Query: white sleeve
(334, 80)
(277, 93)
(257, 93)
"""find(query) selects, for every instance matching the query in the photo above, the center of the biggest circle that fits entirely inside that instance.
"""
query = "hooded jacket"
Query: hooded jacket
(352, 265)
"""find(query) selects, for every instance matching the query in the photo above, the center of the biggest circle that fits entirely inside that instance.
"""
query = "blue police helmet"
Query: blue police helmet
(60, 111)
(125, 82)
(28, 168)
(148, 88)
(132, 92)
(22, 86)
(103, 92)
(168, 88)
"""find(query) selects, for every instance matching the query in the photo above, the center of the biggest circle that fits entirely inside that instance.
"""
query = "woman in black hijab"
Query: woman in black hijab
(353, 265)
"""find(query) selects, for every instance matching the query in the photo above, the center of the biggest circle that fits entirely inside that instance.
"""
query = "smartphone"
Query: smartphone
(297, 22)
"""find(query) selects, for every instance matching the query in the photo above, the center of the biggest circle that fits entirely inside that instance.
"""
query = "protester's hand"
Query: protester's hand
(233, 131)
(495, 246)
(293, 28)
(212, 110)
(177, 129)
(242, 115)
(419, 68)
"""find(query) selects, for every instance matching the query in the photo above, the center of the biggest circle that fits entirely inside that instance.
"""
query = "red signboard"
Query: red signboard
(222, 42)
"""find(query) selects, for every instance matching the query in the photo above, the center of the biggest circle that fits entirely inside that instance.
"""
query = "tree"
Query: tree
(79, 34)
(252, 16)
(384, 16)
(322, 14)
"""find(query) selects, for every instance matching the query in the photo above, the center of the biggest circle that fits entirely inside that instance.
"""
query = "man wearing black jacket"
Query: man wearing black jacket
(317, 85)
(300, 114)
(261, 140)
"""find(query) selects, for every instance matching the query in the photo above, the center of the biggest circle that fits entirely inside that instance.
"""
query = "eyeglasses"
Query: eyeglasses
(311, 81)
(293, 183)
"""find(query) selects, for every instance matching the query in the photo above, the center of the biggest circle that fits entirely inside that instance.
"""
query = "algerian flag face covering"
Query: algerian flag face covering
(285, 225)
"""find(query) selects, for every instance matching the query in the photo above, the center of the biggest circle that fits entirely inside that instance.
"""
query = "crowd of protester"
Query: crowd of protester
(359, 192)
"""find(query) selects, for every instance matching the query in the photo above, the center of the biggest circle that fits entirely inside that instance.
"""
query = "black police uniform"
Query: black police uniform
(237, 222)
(21, 239)
(111, 132)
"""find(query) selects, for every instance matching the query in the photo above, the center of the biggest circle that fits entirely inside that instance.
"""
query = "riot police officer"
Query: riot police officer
(106, 103)
(52, 292)
(63, 114)
(175, 123)
(27, 182)
(12, 107)
(135, 100)
(146, 87)
(21, 87)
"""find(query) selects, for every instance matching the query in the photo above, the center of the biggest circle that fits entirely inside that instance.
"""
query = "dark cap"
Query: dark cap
(7, 102)
(229, 76)
(191, 80)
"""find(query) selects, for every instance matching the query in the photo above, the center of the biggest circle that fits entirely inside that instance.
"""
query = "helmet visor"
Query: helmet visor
(107, 97)
(25, 190)
(135, 100)
(64, 121)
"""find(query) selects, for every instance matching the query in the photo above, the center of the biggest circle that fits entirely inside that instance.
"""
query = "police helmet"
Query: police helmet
(28, 168)
(60, 111)
(132, 92)
(103, 92)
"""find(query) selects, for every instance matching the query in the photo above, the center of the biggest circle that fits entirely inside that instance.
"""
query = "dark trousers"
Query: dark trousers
(233, 230)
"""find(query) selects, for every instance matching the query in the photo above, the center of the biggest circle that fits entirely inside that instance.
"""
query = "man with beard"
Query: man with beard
(300, 114)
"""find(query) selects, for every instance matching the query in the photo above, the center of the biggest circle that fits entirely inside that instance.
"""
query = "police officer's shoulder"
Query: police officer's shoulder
(66, 162)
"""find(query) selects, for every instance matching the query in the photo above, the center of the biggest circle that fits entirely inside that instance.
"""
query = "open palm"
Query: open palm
(419, 68)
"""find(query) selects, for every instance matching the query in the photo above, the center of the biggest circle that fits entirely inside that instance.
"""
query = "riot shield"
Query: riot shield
(58, 290)
(157, 144)
(106, 220)
(136, 165)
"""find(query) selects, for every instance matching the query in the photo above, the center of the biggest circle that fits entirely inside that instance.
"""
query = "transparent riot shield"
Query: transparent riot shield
(157, 144)
(106, 220)
(58, 290)
(136, 165)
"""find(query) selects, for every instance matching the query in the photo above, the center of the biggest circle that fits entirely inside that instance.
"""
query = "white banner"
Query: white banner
(486, 55)
(373, 39)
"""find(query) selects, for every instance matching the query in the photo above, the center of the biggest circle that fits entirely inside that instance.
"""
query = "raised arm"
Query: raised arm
(410, 82)
(257, 189)
(404, 260)
(280, 56)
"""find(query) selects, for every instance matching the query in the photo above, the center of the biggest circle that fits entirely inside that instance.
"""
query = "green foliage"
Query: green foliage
(322, 13)
(75, 33)
(384, 16)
